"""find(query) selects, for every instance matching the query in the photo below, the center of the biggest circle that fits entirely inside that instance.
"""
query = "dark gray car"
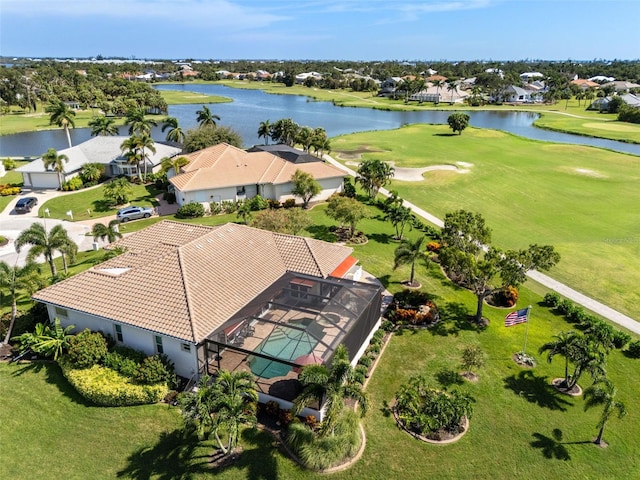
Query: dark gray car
(25, 204)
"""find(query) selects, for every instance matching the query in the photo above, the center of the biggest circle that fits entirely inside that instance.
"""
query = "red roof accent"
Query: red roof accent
(344, 267)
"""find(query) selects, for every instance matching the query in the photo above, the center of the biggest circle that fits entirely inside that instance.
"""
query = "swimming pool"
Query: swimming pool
(284, 344)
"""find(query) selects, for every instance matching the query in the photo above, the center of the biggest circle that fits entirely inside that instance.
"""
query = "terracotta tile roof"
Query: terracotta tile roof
(186, 280)
(223, 165)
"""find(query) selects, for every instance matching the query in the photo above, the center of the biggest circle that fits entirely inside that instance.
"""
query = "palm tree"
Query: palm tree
(451, 88)
(564, 345)
(104, 126)
(409, 252)
(144, 143)
(264, 130)
(374, 174)
(13, 279)
(43, 243)
(175, 133)
(175, 164)
(137, 122)
(110, 231)
(206, 118)
(221, 405)
(61, 115)
(399, 216)
(130, 149)
(330, 387)
(68, 252)
(51, 158)
(438, 84)
(603, 393)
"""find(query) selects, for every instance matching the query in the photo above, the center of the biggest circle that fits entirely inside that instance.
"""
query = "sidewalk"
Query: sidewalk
(562, 289)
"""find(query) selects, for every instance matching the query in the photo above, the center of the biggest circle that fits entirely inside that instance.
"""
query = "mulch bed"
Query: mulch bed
(574, 391)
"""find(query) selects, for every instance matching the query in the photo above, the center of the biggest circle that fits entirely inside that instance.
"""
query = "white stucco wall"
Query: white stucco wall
(185, 362)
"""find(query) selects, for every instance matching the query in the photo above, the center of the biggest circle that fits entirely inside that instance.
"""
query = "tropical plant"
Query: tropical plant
(221, 406)
(43, 243)
(429, 411)
(144, 142)
(284, 131)
(578, 350)
(305, 186)
(374, 174)
(603, 393)
(203, 137)
(117, 191)
(205, 118)
(410, 252)
(86, 349)
(138, 123)
(68, 252)
(175, 133)
(52, 159)
(244, 213)
(49, 340)
(264, 130)
(109, 232)
(330, 387)
(91, 173)
(399, 216)
(174, 163)
(62, 115)
(15, 278)
(103, 125)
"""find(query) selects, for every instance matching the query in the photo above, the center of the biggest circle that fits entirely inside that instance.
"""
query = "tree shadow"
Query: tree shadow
(174, 456)
(536, 390)
(258, 462)
(454, 317)
(551, 447)
(384, 280)
(54, 376)
(448, 378)
(100, 206)
(321, 232)
(445, 134)
(380, 237)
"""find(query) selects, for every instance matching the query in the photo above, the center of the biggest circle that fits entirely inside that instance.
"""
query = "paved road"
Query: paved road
(562, 289)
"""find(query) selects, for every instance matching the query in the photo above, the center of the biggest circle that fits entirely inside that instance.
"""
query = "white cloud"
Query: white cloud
(217, 14)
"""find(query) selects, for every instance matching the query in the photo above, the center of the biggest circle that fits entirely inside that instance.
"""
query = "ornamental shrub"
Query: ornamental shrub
(7, 191)
(72, 184)
(620, 338)
(156, 369)
(9, 164)
(564, 306)
(289, 203)
(190, 210)
(633, 350)
(86, 349)
(124, 360)
(258, 203)
(552, 299)
(108, 388)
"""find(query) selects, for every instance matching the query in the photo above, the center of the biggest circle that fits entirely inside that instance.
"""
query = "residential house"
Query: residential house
(389, 86)
(227, 173)
(228, 297)
(513, 94)
(620, 86)
(101, 149)
(585, 84)
(302, 77)
(290, 154)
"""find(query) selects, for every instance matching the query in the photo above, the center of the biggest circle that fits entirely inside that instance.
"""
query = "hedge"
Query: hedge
(108, 388)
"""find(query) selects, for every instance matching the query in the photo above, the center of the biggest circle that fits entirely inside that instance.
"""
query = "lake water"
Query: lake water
(250, 107)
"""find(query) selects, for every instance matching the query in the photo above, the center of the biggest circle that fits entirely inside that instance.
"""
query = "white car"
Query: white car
(133, 213)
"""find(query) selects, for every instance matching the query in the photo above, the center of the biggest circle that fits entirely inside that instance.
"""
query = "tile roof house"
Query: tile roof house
(199, 293)
(227, 173)
(101, 149)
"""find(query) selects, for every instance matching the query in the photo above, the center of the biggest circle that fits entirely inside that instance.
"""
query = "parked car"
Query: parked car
(133, 213)
(26, 204)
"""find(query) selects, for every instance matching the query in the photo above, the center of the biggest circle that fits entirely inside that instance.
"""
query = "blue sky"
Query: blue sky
(323, 29)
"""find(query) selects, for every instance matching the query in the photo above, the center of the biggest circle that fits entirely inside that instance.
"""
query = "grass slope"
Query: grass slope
(579, 199)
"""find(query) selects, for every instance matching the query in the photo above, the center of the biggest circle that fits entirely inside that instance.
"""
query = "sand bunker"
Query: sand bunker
(406, 174)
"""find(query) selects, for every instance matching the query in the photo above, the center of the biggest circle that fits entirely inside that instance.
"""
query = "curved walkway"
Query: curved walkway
(562, 289)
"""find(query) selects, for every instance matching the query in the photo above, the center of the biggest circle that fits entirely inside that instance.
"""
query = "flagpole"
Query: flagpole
(526, 331)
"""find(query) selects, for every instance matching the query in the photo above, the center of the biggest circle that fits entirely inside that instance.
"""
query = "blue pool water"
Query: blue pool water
(285, 345)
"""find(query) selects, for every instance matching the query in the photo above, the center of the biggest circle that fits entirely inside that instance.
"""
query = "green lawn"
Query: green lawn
(10, 178)
(93, 199)
(180, 97)
(581, 200)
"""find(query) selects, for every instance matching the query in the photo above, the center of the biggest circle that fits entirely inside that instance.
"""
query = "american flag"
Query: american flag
(514, 318)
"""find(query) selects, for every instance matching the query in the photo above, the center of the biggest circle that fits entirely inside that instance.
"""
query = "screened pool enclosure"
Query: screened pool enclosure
(299, 320)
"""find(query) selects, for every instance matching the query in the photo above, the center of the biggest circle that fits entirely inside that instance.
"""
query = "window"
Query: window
(119, 337)
(186, 347)
(300, 288)
(159, 348)
(240, 190)
(62, 312)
